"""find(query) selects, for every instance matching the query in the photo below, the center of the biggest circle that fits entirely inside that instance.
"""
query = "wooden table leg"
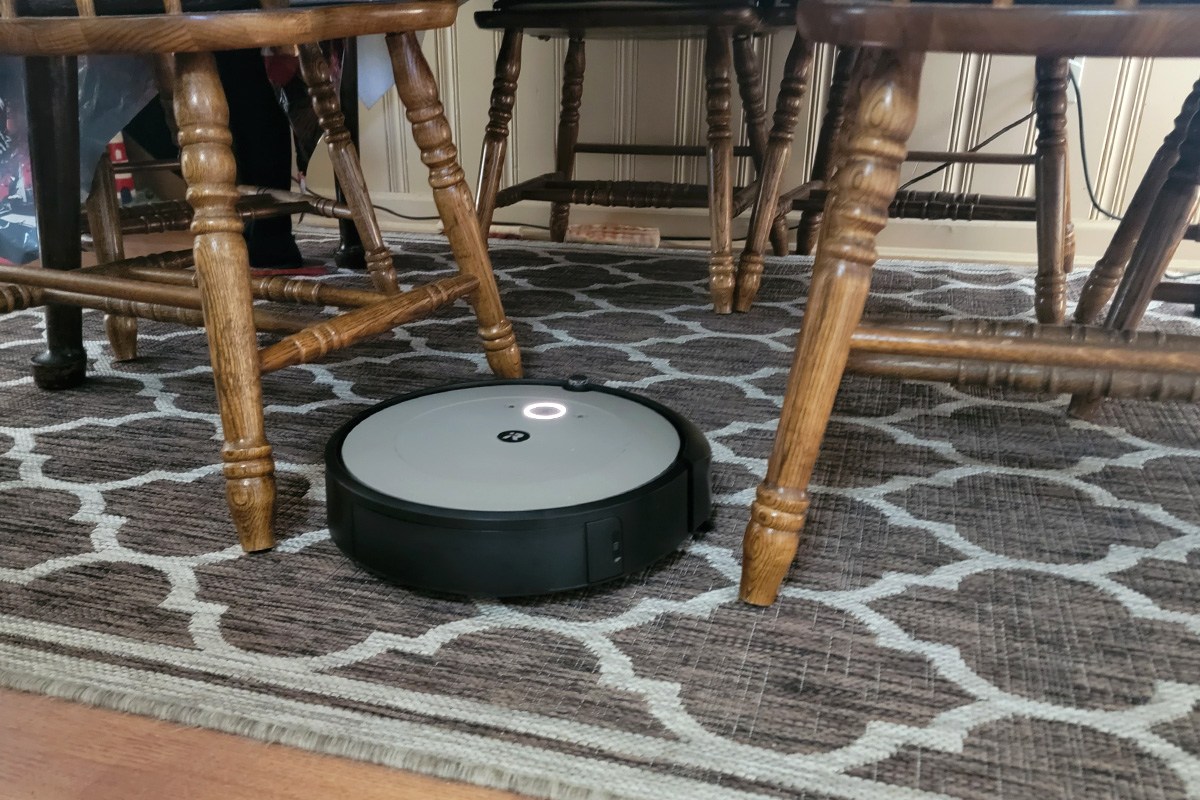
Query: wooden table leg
(223, 264)
(857, 210)
(495, 138)
(52, 93)
(779, 148)
(419, 92)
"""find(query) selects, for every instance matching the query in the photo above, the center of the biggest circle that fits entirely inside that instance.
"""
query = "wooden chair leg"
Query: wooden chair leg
(350, 253)
(223, 264)
(1168, 222)
(779, 148)
(754, 111)
(104, 221)
(343, 156)
(1050, 172)
(51, 89)
(568, 131)
(495, 138)
(857, 210)
(1105, 276)
(718, 55)
(419, 93)
(831, 129)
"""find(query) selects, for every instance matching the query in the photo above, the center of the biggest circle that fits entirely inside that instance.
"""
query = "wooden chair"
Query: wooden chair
(1050, 208)
(1027, 356)
(728, 27)
(220, 292)
(106, 222)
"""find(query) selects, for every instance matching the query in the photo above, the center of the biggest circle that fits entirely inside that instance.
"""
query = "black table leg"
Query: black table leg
(350, 254)
(52, 98)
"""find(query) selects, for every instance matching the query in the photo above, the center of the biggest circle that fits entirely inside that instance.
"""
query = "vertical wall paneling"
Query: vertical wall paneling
(1112, 159)
(655, 116)
(689, 108)
(809, 129)
(973, 118)
(624, 105)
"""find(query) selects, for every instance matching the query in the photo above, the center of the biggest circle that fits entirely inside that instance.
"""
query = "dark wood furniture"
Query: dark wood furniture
(727, 26)
(106, 222)
(1103, 361)
(1050, 208)
(220, 292)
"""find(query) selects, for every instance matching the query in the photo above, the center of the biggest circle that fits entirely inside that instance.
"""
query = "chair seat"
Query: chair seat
(106, 8)
(246, 25)
(625, 19)
(1164, 28)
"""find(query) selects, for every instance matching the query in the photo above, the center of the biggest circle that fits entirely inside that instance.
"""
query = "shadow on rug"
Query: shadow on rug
(991, 601)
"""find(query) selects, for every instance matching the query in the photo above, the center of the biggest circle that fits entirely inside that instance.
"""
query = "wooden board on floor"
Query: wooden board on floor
(55, 750)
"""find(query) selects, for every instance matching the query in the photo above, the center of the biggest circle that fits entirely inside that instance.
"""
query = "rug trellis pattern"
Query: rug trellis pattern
(991, 601)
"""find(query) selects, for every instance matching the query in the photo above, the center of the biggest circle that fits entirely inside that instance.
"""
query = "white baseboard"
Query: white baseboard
(980, 241)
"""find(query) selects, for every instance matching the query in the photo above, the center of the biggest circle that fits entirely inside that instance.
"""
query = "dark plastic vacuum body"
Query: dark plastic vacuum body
(507, 553)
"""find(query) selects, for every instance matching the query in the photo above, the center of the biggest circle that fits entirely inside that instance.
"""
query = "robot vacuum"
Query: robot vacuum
(511, 488)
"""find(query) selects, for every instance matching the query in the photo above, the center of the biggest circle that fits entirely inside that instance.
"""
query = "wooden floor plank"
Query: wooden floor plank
(55, 750)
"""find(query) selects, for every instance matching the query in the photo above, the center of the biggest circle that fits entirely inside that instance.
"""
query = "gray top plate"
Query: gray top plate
(510, 448)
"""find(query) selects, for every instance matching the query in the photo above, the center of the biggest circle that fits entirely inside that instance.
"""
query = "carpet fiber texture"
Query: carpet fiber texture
(991, 600)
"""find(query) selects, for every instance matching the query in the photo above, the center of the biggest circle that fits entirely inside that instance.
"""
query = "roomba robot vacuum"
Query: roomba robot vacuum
(510, 488)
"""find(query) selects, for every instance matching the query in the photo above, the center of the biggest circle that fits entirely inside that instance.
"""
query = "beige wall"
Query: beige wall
(657, 86)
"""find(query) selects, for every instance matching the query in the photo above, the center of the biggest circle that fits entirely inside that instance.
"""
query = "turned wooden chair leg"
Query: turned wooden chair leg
(495, 138)
(779, 148)
(1168, 222)
(51, 89)
(350, 253)
(862, 190)
(1107, 273)
(346, 168)
(568, 131)
(754, 112)
(718, 55)
(831, 129)
(419, 93)
(223, 265)
(1050, 171)
(104, 222)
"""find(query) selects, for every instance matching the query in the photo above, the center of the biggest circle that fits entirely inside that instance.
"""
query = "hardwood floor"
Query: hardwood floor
(54, 750)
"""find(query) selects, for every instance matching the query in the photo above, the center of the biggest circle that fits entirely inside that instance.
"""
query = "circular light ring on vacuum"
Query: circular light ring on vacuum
(512, 447)
(544, 410)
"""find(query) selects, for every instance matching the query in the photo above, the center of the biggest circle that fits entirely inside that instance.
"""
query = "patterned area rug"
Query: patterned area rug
(992, 601)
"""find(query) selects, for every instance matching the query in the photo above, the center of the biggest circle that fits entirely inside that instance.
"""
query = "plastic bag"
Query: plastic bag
(112, 89)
